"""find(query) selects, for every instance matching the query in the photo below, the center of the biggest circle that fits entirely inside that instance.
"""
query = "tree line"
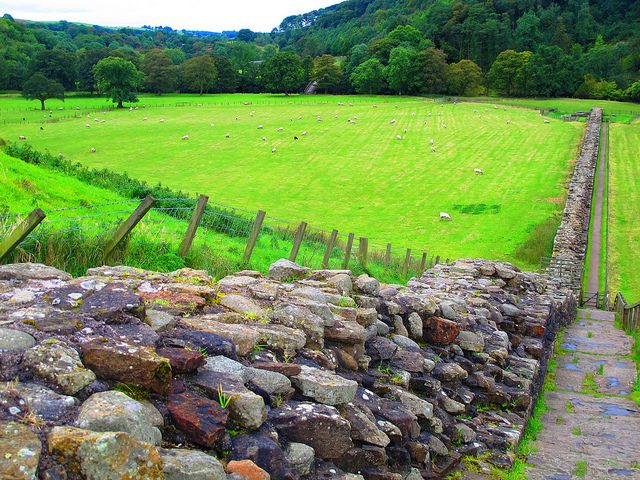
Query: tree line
(44, 60)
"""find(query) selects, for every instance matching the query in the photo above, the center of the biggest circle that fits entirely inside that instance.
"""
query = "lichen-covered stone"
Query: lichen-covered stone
(181, 464)
(114, 411)
(283, 270)
(14, 340)
(127, 363)
(324, 387)
(36, 399)
(102, 455)
(19, 452)
(59, 364)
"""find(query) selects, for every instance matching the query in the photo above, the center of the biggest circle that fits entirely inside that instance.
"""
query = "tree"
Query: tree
(433, 69)
(56, 64)
(41, 88)
(600, 89)
(327, 73)
(508, 74)
(283, 73)
(465, 78)
(633, 92)
(160, 74)
(246, 35)
(551, 73)
(86, 61)
(369, 77)
(227, 80)
(117, 78)
(402, 75)
(200, 73)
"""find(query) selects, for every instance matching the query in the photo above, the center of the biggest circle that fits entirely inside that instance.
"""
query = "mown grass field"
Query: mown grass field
(355, 177)
(624, 210)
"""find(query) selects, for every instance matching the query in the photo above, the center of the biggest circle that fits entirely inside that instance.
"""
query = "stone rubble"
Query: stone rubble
(298, 375)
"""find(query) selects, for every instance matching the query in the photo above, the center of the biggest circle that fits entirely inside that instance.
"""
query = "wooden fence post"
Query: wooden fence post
(196, 216)
(330, 243)
(387, 257)
(347, 251)
(437, 259)
(407, 260)
(423, 263)
(253, 236)
(21, 232)
(128, 225)
(363, 251)
(297, 241)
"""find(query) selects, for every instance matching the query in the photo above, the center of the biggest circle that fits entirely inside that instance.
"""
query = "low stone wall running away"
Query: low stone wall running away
(296, 375)
(571, 239)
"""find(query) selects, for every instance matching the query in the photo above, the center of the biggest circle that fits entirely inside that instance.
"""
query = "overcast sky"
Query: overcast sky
(213, 15)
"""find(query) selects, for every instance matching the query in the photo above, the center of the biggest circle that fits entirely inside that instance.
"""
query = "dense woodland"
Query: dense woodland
(583, 48)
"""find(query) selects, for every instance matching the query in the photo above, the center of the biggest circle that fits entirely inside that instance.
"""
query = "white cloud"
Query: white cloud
(214, 15)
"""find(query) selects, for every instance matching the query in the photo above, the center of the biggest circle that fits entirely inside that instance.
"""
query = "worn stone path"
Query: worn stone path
(593, 281)
(591, 429)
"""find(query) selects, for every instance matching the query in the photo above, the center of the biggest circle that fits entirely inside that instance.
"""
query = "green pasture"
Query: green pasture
(355, 177)
(624, 210)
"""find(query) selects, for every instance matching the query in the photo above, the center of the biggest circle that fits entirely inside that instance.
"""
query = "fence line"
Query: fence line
(234, 233)
(627, 314)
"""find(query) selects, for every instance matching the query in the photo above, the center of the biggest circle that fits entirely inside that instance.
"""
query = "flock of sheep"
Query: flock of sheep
(352, 120)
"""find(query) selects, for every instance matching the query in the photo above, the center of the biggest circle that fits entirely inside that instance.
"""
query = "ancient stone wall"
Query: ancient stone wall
(296, 375)
(571, 239)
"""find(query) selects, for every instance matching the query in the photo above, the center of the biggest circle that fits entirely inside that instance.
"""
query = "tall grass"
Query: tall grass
(539, 243)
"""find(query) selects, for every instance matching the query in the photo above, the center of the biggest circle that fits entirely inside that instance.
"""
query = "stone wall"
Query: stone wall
(571, 239)
(296, 375)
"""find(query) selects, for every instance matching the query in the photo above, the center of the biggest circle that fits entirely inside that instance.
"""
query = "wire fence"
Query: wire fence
(74, 239)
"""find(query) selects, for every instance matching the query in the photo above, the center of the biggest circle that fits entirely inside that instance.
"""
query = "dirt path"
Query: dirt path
(593, 282)
(591, 430)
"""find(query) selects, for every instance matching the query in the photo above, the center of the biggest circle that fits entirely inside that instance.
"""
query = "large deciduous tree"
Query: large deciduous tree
(433, 69)
(369, 77)
(39, 87)
(160, 74)
(283, 73)
(402, 72)
(56, 64)
(117, 78)
(465, 78)
(328, 73)
(200, 73)
(509, 73)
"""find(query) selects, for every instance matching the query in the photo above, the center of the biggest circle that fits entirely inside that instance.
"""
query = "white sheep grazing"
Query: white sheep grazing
(87, 125)
(136, 108)
(264, 139)
(213, 124)
(300, 117)
(433, 149)
(444, 125)
(431, 141)
(260, 127)
(398, 137)
(93, 149)
(355, 117)
(273, 150)
(228, 135)
(404, 130)
(413, 114)
(96, 119)
(103, 121)
(279, 129)
(161, 120)
(429, 113)
(478, 171)
(392, 121)
(131, 109)
(375, 106)
(88, 116)
(304, 133)
(144, 119)
(508, 122)
(445, 216)
(22, 137)
(61, 155)
(546, 121)
(185, 137)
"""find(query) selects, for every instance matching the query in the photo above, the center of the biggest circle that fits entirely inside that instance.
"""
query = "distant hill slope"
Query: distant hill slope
(473, 29)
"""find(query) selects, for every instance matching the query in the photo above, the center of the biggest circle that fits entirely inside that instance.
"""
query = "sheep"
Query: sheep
(93, 149)
(444, 125)
(131, 109)
(87, 125)
(185, 137)
(88, 116)
(61, 155)
(375, 106)
(355, 117)
(279, 129)
(431, 141)
(445, 216)
(392, 121)
(508, 122)
(398, 137)
(304, 133)
(300, 117)
(260, 127)
(161, 120)
(429, 113)
(413, 114)
(273, 150)
(136, 108)
(213, 124)
(351, 104)
(341, 103)
(546, 121)
(433, 149)
(264, 139)
(22, 137)
(103, 121)
(404, 130)
(228, 135)
(478, 171)
(96, 119)
(144, 119)
(295, 137)
(291, 119)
